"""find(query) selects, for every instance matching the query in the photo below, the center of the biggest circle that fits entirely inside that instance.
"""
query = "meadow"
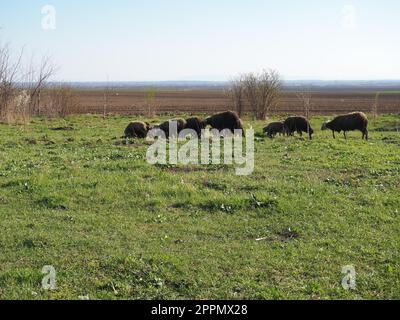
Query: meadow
(73, 195)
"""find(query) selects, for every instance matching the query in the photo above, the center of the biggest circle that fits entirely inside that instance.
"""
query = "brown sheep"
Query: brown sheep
(195, 124)
(274, 128)
(225, 120)
(349, 122)
(299, 125)
(137, 129)
(181, 125)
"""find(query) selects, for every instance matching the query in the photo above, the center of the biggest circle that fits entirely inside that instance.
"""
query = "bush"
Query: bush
(60, 101)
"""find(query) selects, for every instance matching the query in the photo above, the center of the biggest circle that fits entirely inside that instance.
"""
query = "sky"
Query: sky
(155, 40)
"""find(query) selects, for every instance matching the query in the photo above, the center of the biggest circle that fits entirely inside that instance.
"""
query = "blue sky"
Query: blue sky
(210, 40)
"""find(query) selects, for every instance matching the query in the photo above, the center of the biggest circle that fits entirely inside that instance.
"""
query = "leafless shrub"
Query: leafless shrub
(17, 109)
(60, 101)
(375, 106)
(36, 80)
(305, 98)
(261, 90)
(21, 86)
(108, 93)
(150, 97)
(235, 93)
(9, 76)
(251, 91)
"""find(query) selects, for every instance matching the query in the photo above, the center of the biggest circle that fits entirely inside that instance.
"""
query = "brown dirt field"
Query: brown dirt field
(125, 101)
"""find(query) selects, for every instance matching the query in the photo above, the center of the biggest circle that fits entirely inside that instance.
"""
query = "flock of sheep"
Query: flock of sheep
(230, 120)
(348, 122)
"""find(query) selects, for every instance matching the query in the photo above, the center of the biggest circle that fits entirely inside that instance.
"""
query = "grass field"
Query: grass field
(114, 227)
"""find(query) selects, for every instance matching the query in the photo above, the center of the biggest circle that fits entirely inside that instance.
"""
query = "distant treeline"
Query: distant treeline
(289, 85)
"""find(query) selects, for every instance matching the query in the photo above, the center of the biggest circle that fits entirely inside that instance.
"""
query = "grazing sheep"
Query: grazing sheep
(137, 129)
(181, 124)
(274, 128)
(225, 120)
(349, 122)
(299, 125)
(195, 124)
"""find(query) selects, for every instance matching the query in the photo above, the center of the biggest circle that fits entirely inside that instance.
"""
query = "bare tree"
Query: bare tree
(250, 90)
(262, 91)
(235, 93)
(21, 85)
(270, 87)
(107, 93)
(10, 75)
(150, 97)
(37, 79)
(305, 98)
(375, 106)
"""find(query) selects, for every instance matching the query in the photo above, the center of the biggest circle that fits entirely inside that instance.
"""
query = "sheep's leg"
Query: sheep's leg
(133, 135)
(365, 134)
(333, 132)
(345, 135)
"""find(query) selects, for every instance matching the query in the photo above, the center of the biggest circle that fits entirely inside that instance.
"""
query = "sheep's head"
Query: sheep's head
(202, 124)
(325, 125)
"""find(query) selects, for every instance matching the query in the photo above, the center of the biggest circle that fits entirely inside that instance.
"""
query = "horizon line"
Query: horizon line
(225, 81)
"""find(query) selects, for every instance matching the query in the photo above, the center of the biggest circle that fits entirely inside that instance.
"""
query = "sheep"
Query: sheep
(349, 122)
(137, 129)
(299, 124)
(225, 120)
(195, 124)
(180, 123)
(274, 128)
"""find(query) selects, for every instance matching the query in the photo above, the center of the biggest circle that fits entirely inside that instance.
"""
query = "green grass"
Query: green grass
(115, 227)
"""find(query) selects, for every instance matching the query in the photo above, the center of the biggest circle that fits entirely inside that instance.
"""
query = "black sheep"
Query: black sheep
(180, 123)
(299, 125)
(195, 124)
(274, 128)
(225, 120)
(137, 129)
(349, 122)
